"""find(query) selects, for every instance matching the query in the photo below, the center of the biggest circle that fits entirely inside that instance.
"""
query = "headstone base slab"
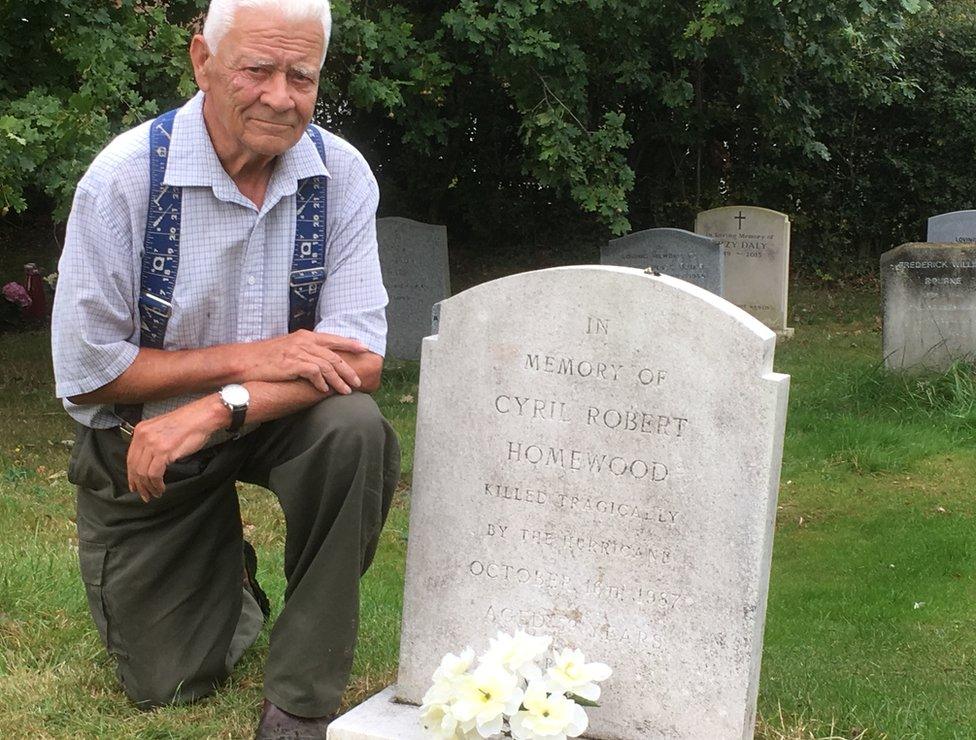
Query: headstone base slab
(378, 718)
(783, 335)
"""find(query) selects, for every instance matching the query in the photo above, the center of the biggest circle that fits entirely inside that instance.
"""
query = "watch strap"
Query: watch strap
(237, 414)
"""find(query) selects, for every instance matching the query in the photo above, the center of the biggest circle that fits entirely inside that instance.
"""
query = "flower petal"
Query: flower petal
(588, 691)
(579, 722)
(490, 728)
(598, 671)
(516, 724)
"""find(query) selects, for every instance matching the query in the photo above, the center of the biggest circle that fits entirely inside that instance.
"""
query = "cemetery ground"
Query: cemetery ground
(871, 631)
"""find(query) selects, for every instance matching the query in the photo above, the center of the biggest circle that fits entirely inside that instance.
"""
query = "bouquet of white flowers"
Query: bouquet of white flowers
(519, 688)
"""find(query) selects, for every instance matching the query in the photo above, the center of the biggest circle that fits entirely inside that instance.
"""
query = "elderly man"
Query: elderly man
(201, 249)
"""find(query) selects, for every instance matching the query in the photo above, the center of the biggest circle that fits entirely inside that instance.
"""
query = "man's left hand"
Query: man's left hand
(159, 441)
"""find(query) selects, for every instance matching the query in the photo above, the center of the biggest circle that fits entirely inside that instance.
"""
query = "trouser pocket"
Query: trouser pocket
(92, 557)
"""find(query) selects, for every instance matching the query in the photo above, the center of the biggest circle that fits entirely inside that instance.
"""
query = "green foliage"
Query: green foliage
(637, 112)
(895, 160)
(507, 119)
(74, 74)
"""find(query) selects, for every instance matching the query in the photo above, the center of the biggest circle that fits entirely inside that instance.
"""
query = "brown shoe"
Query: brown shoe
(277, 724)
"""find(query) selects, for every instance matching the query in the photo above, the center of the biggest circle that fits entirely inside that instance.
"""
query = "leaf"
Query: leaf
(581, 701)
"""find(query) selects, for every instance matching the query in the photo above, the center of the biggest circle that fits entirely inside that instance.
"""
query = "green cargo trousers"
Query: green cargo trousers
(164, 579)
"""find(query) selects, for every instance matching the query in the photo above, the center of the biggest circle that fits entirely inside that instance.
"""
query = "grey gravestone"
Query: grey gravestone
(958, 227)
(929, 305)
(757, 259)
(416, 274)
(580, 476)
(675, 252)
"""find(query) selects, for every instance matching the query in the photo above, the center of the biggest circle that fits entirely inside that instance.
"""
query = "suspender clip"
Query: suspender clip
(156, 304)
(304, 277)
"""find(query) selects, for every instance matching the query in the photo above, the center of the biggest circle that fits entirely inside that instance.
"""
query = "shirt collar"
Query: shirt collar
(192, 160)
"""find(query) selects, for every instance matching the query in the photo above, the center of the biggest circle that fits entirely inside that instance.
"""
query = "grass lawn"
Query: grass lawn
(870, 630)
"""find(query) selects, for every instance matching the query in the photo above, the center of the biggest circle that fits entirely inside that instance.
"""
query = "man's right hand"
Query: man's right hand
(302, 355)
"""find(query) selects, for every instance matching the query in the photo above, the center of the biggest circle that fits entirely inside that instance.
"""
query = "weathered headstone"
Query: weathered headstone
(958, 227)
(674, 252)
(597, 459)
(416, 274)
(757, 259)
(929, 305)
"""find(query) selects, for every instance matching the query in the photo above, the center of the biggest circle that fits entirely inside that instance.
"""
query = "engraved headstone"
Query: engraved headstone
(674, 252)
(603, 471)
(958, 227)
(929, 305)
(757, 259)
(413, 257)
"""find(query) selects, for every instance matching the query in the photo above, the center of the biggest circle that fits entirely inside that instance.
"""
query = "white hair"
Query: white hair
(220, 17)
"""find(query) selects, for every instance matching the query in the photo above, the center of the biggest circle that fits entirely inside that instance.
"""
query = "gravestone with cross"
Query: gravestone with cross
(757, 259)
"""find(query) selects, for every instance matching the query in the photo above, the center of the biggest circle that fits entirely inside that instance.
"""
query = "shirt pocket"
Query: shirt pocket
(200, 316)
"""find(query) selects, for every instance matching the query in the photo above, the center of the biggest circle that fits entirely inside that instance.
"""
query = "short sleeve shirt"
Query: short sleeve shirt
(235, 258)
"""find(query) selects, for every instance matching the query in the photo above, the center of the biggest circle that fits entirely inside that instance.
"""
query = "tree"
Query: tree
(75, 74)
(504, 117)
(641, 111)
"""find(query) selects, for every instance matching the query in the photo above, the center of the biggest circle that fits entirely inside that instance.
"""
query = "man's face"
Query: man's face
(263, 80)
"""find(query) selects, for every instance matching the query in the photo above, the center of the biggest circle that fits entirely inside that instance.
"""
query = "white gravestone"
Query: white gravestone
(757, 259)
(929, 305)
(674, 252)
(413, 257)
(958, 227)
(597, 459)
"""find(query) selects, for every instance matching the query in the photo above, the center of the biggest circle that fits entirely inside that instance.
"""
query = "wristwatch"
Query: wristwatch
(236, 398)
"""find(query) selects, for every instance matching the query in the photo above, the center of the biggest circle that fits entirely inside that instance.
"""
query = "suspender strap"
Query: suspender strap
(308, 259)
(160, 251)
(161, 246)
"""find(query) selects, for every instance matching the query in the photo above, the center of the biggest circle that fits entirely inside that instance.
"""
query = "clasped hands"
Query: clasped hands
(302, 355)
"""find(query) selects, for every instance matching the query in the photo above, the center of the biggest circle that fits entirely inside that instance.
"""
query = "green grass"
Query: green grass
(55, 679)
(871, 616)
(871, 626)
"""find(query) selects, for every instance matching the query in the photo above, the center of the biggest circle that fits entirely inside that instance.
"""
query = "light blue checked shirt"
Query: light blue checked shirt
(235, 259)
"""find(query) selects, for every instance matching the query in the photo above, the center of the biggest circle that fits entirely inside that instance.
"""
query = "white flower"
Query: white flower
(572, 674)
(441, 723)
(451, 670)
(436, 713)
(453, 666)
(547, 716)
(485, 696)
(441, 692)
(517, 653)
(438, 721)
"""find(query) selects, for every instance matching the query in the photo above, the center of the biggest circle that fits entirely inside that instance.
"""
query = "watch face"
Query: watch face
(235, 395)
